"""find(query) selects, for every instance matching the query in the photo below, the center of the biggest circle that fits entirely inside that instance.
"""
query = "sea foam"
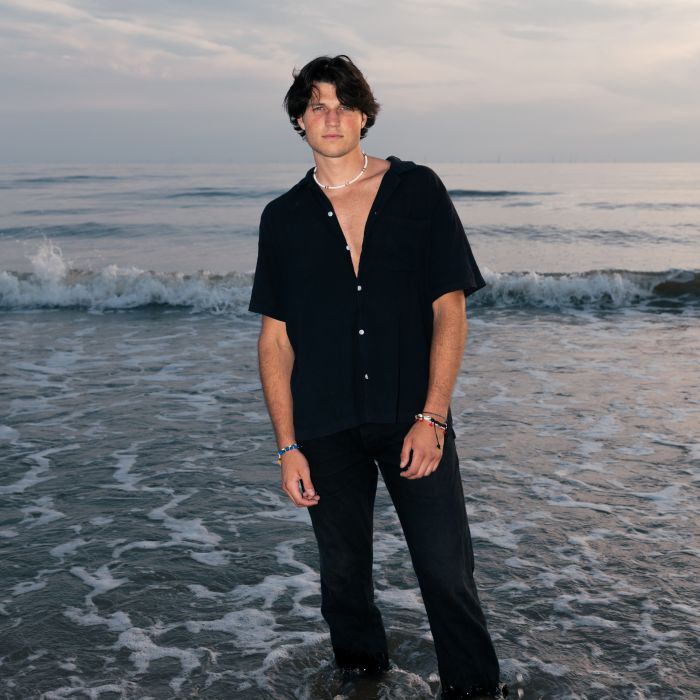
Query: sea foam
(54, 284)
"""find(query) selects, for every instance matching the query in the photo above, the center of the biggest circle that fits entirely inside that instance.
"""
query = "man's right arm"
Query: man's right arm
(276, 359)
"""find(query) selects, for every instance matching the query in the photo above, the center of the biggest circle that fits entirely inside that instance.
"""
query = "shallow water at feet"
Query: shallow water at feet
(148, 552)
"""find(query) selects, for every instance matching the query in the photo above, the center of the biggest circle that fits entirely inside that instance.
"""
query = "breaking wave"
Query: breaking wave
(491, 194)
(53, 284)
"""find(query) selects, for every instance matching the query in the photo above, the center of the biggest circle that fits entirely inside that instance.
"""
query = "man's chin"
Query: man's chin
(333, 149)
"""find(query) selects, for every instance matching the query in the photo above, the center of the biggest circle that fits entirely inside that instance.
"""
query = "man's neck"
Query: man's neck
(336, 171)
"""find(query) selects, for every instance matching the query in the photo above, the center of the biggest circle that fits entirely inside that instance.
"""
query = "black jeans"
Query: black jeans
(434, 521)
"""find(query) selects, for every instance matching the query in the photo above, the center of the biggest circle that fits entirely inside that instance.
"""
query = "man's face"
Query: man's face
(332, 129)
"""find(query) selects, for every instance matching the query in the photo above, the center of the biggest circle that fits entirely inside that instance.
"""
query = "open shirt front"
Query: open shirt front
(361, 344)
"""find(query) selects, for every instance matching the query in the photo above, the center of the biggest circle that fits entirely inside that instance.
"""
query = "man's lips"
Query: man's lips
(333, 136)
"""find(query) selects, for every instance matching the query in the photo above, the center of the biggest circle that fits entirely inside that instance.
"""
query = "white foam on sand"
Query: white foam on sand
(655, 638)
(184, 529)
(388, 548)
(406, 598)
(276, 587)
(520, 586)
(562, 605)
(63, 550)
(137, 640)
(122, 472)
(216, 558)
(297, 645)
(36, 474)
(93, 692)
(144, 650)
(43, 511)
(687, 609)
(498, 531)
(191, 531)
(588, 621)
(553, 669)
(519, 563)
(667, 499)
(203, 592)
(187, 532)
(253, 630)
(101, 580)
(27, 587)
(253, 623)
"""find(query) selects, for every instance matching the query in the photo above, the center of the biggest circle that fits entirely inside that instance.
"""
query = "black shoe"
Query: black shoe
(362, 662)
(475, 692)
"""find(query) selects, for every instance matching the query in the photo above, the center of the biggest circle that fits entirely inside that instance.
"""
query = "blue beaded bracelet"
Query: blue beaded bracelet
(293, 446)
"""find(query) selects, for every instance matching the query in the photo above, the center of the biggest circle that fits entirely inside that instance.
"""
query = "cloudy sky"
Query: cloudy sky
(459, 80)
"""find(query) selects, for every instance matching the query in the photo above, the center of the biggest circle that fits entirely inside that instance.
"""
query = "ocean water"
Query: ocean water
(147, 550)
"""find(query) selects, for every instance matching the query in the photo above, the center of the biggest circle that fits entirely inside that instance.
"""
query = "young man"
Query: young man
(362, 273)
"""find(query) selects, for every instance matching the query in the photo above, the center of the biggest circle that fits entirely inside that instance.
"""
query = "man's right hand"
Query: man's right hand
(295, 469)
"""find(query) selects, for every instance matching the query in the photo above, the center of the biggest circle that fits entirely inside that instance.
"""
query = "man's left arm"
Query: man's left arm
(446, 350)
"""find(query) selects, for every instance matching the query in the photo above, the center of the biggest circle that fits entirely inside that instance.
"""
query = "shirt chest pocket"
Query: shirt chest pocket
(399, 242)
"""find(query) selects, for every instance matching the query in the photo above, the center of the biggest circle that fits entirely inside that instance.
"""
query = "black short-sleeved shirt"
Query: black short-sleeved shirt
(361, 344)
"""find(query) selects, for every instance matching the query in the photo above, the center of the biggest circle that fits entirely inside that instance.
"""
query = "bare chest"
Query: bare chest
(352, 212)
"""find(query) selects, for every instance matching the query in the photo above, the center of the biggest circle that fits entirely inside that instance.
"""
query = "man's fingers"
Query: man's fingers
(420, 472)
(307, 487)
(293, 493)
(296, 481)
(308, 495)
(420, 448)
(405, 453)
(300, 498)
(418, 463)
(421, 467)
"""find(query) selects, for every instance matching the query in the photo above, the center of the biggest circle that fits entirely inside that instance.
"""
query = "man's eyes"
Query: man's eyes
(320, 108)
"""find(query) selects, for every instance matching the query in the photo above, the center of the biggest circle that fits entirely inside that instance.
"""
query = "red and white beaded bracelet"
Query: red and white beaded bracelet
(435, 423)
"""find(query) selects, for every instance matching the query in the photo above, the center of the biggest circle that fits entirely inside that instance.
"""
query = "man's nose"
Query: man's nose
(332, 116)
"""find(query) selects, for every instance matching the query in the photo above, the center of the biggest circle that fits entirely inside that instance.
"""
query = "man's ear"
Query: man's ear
(364, 119)
(300, 122)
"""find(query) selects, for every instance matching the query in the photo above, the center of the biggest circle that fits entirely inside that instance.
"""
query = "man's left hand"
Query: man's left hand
(426, 456)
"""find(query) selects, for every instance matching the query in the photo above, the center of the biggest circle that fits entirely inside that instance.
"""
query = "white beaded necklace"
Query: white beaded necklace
(347, 182)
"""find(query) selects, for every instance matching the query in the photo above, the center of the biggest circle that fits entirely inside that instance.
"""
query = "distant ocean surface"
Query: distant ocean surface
(147, 550)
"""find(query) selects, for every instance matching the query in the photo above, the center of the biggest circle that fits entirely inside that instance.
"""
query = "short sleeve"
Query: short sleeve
(450, 263)
(266, 296)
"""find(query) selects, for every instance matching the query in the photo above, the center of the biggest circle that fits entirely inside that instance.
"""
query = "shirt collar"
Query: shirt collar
(396, 167)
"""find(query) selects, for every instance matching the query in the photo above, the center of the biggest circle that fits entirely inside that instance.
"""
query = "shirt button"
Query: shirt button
(359, 287)
(347, 247)
(361, 331)
(366, 376)
(330, 213)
